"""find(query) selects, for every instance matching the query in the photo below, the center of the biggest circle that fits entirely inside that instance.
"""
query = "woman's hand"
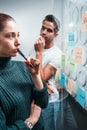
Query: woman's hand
(33, 65)
(35, 71)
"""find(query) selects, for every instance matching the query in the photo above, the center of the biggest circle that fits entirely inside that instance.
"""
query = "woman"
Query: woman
(21, 87)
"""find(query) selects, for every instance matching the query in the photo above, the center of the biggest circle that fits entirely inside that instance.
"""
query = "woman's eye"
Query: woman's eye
(10, 36)
(18, 35)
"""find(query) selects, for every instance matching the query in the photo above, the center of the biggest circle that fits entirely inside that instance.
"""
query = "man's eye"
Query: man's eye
(43, 28)
(49, 30)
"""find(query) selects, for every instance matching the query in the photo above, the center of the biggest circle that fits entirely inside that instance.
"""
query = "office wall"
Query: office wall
(29, 15)
(74, 59)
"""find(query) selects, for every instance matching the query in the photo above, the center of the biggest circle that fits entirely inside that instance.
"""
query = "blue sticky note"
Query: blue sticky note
(81, 97)
(62, 80)
(71, 39)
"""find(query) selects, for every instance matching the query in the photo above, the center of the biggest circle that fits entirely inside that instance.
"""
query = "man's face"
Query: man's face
(48, 31)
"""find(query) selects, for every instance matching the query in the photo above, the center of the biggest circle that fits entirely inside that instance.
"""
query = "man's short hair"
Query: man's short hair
(54, 20)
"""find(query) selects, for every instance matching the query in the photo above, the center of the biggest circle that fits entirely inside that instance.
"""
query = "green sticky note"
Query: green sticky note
(57, 76)
(63, 60)
(72, 65)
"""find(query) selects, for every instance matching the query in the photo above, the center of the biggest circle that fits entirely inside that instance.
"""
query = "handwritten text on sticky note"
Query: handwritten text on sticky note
(84, 22)
(78, 55)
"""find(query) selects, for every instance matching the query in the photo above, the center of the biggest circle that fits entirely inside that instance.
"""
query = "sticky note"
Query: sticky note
(63, 60)
(72, 65)
(62, 80)
(81, 97)
(70, 86)
(57, 76)
(84, 21)
(71, 39)
(78, 54)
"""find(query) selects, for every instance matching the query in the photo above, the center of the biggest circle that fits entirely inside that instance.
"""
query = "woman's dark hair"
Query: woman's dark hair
(54, 20)
(4, 18)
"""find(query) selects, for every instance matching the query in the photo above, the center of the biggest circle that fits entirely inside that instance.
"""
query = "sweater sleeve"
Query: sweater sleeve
(41, 96)
(18, 125)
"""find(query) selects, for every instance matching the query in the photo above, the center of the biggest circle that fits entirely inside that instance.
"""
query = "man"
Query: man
(50, 58)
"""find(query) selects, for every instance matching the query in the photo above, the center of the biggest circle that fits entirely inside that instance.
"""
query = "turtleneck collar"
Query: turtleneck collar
(4, 62)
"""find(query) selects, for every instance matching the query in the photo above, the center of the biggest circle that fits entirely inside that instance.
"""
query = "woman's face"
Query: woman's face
(9, 40)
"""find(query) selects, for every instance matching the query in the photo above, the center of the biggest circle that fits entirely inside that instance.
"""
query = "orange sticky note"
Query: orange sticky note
(84, 21)
(70, 86)
(78, 55)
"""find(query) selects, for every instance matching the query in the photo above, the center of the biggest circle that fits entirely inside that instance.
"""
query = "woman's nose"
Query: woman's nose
(17, 41)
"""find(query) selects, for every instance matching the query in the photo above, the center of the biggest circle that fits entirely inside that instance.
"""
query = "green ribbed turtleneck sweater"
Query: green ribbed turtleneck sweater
(16, 93)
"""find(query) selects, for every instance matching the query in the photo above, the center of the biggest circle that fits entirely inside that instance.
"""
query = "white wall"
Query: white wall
(29, 15)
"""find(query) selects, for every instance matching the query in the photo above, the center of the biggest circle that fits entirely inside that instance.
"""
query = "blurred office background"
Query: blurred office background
(72, 40)
(29, 15)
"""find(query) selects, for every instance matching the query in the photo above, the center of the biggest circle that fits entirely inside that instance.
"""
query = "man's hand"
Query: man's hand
(39, 45)
(34, 113)
(50, 88)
